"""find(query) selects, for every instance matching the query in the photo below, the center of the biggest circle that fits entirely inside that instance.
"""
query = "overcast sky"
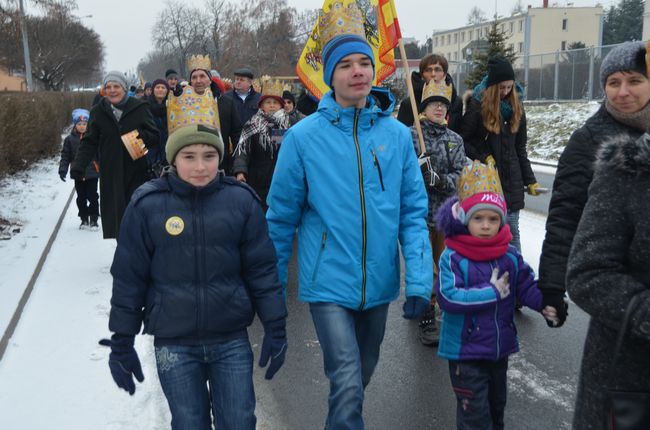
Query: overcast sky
(125, 25)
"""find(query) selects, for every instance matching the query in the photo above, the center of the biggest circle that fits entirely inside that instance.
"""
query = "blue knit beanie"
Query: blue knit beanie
(339, 48)
(80, 115)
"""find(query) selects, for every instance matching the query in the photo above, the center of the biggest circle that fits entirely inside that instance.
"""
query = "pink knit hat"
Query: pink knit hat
(484, 200)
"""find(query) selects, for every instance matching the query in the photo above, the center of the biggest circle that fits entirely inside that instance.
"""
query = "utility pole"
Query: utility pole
(28, 63)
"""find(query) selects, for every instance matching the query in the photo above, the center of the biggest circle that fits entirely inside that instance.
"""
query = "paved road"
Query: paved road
(410, 389)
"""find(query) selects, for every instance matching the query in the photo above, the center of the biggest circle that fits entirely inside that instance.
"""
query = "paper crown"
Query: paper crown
(438, 90)
(479, 178)
(198, 62)
(192, 109)
(272, 87)
(343, 17)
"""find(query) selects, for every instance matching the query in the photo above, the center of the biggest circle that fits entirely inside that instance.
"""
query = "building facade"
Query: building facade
(539, 30)
(11, 82)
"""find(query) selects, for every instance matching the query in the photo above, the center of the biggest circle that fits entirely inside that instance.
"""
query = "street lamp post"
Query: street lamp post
(28, 63)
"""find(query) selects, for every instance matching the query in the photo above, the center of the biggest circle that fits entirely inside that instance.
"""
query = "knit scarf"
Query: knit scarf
(637, 120)
(506, 107)
(481, 249)
(261, 124)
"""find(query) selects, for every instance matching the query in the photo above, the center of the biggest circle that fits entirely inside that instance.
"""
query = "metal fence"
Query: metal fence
(561, 75)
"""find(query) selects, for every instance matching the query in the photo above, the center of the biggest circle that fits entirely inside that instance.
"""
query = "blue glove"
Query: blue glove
(274, 346)
(414, 307)
(124, 362)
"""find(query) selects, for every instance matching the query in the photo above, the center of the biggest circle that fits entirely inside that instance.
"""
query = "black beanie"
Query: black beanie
(286, 95)
(499, 70)
(170, 72)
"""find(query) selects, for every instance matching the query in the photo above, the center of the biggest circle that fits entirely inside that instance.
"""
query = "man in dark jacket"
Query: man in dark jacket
(120, 175)
(243, 95)
(432, 66)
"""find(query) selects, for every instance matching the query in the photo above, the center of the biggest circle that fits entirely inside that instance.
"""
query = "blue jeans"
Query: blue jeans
(513, 222)
(481, 389)
(350, 341)
(185, 374)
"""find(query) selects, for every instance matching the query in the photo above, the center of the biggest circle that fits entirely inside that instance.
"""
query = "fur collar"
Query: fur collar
(446, 222)
(626, 155)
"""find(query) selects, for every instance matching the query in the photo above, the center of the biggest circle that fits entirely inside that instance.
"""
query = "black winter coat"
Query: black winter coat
(608, 265)
(245, 109)
(508, 150)
(231, 126)
(572, 178)
(119, 175)
(194, 264)
(68, 153)
(405, 112)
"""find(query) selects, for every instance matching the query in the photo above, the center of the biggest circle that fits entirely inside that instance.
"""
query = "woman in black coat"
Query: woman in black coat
(494, 125)
(625, 112)
(608, 265)
(119, 175)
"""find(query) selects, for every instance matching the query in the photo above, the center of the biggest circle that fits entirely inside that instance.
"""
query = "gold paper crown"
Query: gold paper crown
(287, 87)
(441, 89)
(272, 88)
(479, 178)
(343, 17)
(192, 109)
(198, 62)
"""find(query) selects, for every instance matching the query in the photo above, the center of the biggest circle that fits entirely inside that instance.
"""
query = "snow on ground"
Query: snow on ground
(54, 374)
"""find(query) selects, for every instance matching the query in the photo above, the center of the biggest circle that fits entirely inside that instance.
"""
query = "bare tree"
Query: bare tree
(476, 16)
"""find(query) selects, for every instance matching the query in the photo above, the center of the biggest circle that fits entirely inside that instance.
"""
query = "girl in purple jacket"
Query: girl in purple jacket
(480, 275)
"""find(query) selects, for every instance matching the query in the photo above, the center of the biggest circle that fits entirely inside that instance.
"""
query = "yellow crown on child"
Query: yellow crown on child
(343, 17)
(198, 62)
(272, 87)
(438, 90)
(479, 178)
(192, 109)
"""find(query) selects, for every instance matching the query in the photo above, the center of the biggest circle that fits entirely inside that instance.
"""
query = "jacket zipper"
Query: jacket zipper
(204, 277)
(496, 321)
(320, 255)
(199, 307)
(362, 197)
(381, 178)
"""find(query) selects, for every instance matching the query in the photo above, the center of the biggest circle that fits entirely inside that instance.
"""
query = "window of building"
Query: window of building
(512, 27)
(435, 41)
(521, 47)
(455, 37)
(503, 28)
(512, 47)
(565, 23)
(563, 48)
(455, 56)
(448, 39)
(480, 33)
(462, 37)
(521, 25)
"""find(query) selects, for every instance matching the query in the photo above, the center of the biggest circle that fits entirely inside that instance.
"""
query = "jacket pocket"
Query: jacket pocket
(320, 256)
(154, 313)
(378, 167)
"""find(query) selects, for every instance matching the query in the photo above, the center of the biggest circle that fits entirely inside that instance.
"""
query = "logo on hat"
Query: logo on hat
(174, 225)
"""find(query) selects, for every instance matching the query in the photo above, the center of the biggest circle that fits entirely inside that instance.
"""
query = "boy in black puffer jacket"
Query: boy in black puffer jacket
(194, 263)
(86, 187)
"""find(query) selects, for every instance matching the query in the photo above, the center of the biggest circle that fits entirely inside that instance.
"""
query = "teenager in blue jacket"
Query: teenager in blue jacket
(194, 263)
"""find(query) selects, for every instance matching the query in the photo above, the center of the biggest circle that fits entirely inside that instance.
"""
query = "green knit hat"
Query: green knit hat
(190, 135)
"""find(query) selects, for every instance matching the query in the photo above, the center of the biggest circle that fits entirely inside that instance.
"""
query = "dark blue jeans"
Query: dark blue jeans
(481, 390)
(513, 221)
(350, 341)
(185, 374)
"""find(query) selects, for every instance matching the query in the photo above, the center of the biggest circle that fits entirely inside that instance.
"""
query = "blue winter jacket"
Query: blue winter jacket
(349, 181)
(194, 264)
(476, 323)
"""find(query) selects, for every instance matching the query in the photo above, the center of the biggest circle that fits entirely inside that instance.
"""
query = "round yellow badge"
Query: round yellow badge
(174, 225)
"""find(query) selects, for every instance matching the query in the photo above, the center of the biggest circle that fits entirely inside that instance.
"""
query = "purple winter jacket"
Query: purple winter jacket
(476, 323)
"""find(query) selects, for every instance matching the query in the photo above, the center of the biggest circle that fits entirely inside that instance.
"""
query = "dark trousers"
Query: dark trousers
(87, 198)
(481, 390)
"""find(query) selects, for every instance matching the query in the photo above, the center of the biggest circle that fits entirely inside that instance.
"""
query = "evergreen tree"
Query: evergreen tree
(623, 22)
(496, 40)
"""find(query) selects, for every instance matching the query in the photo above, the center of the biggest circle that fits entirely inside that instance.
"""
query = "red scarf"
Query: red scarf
(481, 249)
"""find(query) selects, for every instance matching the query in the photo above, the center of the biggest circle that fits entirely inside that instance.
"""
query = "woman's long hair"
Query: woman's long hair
(491, 109)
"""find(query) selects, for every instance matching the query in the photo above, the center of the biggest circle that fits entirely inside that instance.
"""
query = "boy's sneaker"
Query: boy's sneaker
(84, 223)
(93, 223)
(427, 330)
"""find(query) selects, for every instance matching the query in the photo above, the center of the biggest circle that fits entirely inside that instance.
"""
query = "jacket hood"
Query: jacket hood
(446, 222)
(625, 154)
(380, 102)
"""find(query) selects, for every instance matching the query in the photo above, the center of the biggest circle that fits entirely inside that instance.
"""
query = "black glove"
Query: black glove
(76, 175)
(556, 300)
(62, 175)
(274, 346)
(414, 307)
(124, 362)
(441, 183)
